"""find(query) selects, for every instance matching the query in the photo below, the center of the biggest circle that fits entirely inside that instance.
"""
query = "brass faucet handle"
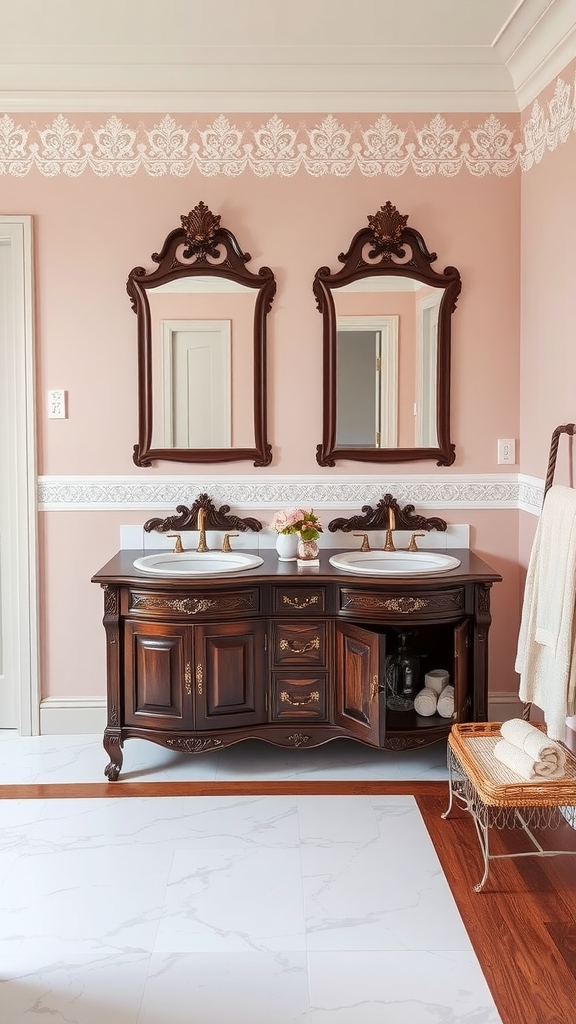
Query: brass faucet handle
(226, 541)
(178, 547)
(413, 545)
(365, 543)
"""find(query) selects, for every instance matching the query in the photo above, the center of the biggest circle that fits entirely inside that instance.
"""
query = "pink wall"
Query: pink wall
(548, 304)
(91, 231)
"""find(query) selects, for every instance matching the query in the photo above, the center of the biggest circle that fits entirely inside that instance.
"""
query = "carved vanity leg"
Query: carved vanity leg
(113, 747)
(480, 653)
(112, 734)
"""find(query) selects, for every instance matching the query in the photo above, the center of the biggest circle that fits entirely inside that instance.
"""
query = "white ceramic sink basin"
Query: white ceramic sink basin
(394, 563)
(195, 563)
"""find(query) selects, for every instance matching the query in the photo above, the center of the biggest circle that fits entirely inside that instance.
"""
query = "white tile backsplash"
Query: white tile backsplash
(134, 538)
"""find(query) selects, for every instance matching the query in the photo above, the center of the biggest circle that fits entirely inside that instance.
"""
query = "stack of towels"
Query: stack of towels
(529, 752)
(437, 696)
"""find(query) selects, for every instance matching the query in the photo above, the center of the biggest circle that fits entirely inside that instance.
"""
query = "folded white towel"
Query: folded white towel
(446, 702)
(425, 702)
(535, 743)
(437, 679)
(524, 765)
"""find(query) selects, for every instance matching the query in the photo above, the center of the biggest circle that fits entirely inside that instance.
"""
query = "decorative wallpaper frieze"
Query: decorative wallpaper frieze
(546, 132)
(329, 147)
(125, 494)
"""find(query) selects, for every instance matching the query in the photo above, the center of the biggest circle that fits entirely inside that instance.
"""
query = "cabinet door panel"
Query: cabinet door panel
(462, 690)
(360, 655)
(158, 675)
(229, 675)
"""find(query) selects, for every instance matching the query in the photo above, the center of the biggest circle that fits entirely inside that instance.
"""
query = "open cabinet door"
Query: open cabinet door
(360, 659)
(462, 691)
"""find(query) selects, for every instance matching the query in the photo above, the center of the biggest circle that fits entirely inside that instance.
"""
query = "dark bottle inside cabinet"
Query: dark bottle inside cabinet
(292, 658)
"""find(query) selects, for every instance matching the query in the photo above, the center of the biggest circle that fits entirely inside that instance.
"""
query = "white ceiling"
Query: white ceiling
(281, 55)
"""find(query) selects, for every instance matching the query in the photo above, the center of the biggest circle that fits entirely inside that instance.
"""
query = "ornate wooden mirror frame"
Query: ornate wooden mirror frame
(386, 248)
(200, 248)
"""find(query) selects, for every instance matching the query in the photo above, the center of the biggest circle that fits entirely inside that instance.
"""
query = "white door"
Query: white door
(19, 687)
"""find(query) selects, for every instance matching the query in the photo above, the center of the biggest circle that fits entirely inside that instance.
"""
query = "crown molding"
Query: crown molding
(536, 44)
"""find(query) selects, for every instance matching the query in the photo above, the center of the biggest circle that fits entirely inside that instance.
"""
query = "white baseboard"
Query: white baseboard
(72, 716)
(86, 715)
(503, 706)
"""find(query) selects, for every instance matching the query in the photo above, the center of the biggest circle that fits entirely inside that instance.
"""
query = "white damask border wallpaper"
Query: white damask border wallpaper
(94, 493)
(329, 147)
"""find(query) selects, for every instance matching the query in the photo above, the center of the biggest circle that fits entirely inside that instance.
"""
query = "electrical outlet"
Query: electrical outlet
(506, 451)
(57, 405)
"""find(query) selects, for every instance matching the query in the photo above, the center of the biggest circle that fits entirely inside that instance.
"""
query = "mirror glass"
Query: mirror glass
(386, 348)
(201, 348)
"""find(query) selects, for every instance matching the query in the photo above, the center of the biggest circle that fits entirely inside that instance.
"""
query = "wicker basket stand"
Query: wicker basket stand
(498, 798)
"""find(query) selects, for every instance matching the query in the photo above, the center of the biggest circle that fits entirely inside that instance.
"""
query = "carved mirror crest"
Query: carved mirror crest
(201, 348)
(386, 343)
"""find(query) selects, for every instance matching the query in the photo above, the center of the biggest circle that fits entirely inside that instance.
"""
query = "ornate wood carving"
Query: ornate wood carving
(379, 518)
(245, 601)
(194, 746)
(298, 738)
(216, 519)
(403, 604)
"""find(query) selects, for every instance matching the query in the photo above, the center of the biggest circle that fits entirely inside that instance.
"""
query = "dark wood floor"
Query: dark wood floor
(522, 925)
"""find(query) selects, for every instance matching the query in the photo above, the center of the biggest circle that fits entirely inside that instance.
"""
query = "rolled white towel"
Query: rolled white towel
(446, 702)
(425, 702)
(437, 679)
(522, 764)
(536, 744)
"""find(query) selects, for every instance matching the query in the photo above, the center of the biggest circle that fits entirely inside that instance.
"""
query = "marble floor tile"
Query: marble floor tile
(292, 910)
(399, 987)
(243, 988)
(33, 759)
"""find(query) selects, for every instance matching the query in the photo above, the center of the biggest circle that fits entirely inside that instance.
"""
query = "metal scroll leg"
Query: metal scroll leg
(482, 832)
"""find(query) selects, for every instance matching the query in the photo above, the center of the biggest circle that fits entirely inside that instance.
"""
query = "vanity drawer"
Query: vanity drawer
(301, 697)
(188, 606)
(400, 605)
(296, 600)
(299, 643)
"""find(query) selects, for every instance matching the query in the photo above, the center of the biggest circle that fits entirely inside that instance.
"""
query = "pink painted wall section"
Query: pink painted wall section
(93, 224)
(91, 231)
(548, 299)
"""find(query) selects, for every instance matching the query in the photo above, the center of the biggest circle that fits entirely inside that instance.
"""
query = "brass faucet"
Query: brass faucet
(389, 544)
(202, 545)
(365, 543)
(413, 545)
(226, 541)
(178, 547)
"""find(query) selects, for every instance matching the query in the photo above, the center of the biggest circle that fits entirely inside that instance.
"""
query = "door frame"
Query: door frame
(17, 393)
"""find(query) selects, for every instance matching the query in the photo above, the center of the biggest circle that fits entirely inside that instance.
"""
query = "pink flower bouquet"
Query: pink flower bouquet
(296, 520)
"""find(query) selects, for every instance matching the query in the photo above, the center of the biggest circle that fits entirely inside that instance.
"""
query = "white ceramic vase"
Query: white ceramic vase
(287, 547)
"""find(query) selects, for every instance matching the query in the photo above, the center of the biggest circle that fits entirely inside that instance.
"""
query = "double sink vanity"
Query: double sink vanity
(205, 649)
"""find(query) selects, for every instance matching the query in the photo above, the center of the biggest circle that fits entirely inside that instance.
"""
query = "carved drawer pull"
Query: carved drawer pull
(298, 602)
(199, 677)
(405, 605)
(188, 678)
(313, 698)
(297, 647)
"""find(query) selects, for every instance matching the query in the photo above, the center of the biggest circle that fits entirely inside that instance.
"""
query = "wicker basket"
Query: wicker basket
(473, 744)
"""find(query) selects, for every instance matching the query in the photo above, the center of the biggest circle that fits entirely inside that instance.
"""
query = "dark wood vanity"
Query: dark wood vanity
(294, 656)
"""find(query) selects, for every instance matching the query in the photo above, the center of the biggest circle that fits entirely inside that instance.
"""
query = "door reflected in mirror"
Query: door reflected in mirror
(387, 363)
(202, 364)
(387, 338)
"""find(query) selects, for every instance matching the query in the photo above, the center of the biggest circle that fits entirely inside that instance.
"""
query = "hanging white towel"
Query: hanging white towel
(544, 656)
